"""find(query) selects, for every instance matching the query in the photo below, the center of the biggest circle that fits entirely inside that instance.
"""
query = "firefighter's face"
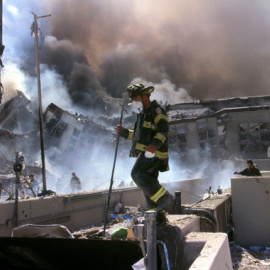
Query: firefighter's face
(138, 98)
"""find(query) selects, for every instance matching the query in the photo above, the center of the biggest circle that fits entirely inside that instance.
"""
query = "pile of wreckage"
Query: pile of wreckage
(64, 134)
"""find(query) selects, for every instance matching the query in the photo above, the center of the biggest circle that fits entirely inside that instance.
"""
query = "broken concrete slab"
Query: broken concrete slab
(187, 223)
(207, 251)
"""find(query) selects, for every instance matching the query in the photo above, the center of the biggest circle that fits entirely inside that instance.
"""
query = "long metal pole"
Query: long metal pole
(16, 203)
(40, 104)
(1, 22)
(178, 202)
(114, 162)
(2, 50)
(151, 240)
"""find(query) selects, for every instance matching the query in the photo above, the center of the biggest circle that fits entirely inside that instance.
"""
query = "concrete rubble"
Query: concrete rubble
(254, 257)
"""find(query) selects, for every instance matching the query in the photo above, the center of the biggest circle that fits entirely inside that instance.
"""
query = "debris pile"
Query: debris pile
(254, 257)
(131, 225)
(119, 227)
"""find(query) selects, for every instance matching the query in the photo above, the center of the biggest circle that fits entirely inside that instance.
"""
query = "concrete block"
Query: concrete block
(24, 211)
(220, 207)
(250, 208)
(187, 223)
(211, 251)
(42, 207)
(7, 212)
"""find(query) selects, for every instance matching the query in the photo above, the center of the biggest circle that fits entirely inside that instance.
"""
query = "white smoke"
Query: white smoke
(166, 91)
(13, 79)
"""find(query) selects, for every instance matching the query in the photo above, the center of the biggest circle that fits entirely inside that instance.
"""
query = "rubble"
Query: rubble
(250, 258)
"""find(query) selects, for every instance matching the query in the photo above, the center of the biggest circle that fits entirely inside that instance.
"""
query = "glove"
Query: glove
(151, 148)
(235, 173)
(119, 128)
(150, 153)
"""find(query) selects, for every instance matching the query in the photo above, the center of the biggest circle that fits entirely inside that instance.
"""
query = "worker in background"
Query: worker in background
(251, 170)
(219, 190)
(118, 207)
(150, 146)
(75, 183)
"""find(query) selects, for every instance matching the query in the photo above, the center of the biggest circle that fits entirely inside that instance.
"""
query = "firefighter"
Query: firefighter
(150, 146)
(75, 183)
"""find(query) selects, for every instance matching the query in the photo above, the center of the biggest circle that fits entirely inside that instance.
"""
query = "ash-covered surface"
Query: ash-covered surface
(212, 202)
(250, 258)
(188, 113)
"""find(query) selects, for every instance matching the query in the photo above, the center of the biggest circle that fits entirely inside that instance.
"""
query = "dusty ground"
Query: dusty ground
(252, 258)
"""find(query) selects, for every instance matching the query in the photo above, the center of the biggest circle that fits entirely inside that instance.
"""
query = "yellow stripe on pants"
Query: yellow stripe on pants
(158, 195)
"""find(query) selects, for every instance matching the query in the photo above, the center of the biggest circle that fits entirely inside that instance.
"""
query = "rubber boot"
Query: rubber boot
(166, 200)
(151, 206)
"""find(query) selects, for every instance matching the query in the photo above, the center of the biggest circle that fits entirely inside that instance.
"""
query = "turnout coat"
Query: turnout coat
(151, 128)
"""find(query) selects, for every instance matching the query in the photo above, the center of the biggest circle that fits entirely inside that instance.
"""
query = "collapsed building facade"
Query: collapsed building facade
(224, 128)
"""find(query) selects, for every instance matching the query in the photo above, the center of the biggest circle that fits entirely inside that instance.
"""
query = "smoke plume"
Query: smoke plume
(211, 50)
(219, 49)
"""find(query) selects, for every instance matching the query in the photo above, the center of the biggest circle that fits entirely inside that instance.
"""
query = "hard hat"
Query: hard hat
(139, 89)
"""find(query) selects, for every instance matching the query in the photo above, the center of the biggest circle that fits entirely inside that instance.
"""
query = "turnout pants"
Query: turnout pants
(145, 174)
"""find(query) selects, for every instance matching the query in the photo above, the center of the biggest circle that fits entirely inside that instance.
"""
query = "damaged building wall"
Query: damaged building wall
(241, 129)
(219, 104)
(71, 133)
(18, 129)
(248, 132)
(193, 134)
(16, 116)
(62, 128)
(10, 143)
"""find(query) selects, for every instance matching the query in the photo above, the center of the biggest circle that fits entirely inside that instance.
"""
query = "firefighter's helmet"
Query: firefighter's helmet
(135, 90)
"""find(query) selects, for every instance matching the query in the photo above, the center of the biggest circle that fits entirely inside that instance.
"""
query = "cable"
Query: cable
(166, 254)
